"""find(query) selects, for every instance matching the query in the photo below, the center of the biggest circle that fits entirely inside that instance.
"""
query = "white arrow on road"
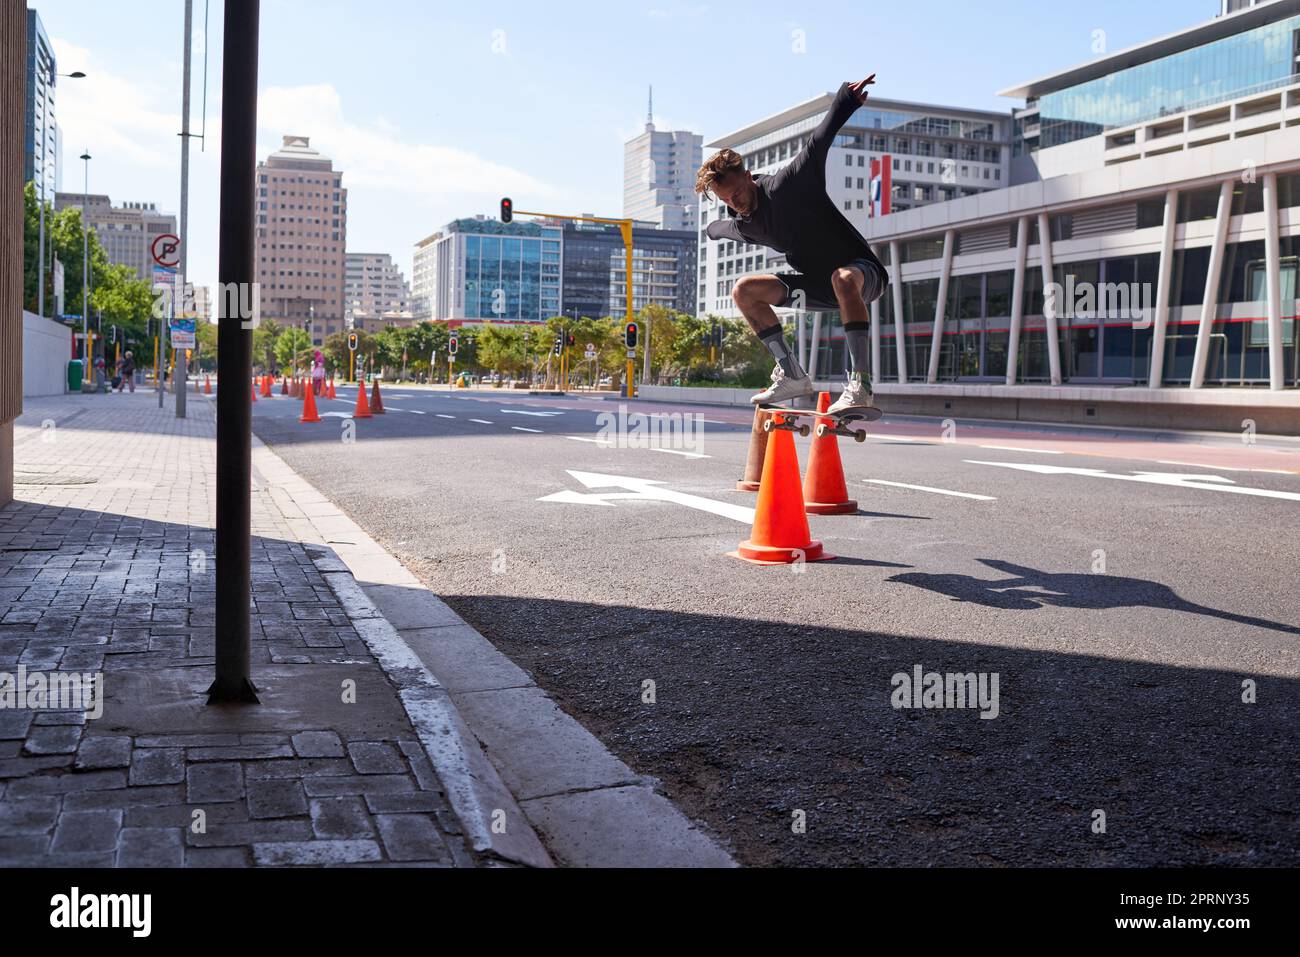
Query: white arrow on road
(1211, 483)
(644, 490)
(540, 415)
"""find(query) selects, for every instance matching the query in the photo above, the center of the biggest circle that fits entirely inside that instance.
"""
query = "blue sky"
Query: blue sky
(434, 110)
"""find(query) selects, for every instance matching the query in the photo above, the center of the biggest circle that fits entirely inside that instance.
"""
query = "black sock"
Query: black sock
(774, 339)
(857, 337)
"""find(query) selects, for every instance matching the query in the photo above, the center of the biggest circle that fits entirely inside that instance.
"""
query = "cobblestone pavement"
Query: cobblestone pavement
(106, 567)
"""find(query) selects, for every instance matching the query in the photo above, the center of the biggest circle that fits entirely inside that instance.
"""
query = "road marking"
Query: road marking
(1210, 483)
(412, 411)
(520, 428)
(578, 438)
(1012, 448)
(540, 415)
(644, 490)
(441, 416)
(336, 415)
(689, 455)
(481, 421)
(937, 491)
(1225, 468)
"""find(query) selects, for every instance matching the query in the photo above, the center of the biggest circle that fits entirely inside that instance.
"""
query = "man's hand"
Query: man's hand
(859, 89)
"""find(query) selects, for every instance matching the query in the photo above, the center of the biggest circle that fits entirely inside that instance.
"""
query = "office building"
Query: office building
(659, 176)
(302, 222)
(127, 232)
(40, 127)
(595, 269)
(373, 286)
(487, 271)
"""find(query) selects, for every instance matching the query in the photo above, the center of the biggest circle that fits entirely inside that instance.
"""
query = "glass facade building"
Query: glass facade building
(595, 267)
(40, 132)
(1254, 60)
(502, 272)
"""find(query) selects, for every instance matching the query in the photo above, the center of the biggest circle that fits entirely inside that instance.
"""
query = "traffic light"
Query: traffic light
(559, 344)
(352, 342)
(629, 335)
(507, 210)
(569, 340)
(717, 335)
(452, 345)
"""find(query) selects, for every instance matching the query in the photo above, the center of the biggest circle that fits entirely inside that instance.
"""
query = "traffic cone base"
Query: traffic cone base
(824, 491)
(767, 555)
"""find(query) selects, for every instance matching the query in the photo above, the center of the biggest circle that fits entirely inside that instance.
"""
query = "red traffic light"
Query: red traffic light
(629, 335)
(507, 210)
(452, 345)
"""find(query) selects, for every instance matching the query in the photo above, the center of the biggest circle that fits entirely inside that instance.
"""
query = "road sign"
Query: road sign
(182, 332)
(590, 351)
(631, 353)
(166, 250)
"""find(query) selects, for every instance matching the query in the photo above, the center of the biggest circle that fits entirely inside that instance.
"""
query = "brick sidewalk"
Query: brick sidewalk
(107, 565)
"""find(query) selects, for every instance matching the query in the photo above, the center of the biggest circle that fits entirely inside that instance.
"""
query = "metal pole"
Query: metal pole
(235, 271)
(85, 268)
(182, 364)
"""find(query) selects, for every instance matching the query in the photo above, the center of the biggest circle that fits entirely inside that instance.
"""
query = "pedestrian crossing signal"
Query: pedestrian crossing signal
(629, 335)
(507, 210)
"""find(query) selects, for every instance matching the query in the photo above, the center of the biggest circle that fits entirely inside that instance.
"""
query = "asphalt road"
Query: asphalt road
(1120, 686)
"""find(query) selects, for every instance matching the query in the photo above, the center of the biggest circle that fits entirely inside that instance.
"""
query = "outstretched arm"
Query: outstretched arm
(724, 229)
(813, 155)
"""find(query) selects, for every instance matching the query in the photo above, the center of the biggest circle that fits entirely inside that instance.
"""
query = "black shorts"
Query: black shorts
(819, 295)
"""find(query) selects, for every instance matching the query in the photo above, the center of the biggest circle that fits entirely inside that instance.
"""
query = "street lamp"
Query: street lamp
(85, 265)
(45, 159)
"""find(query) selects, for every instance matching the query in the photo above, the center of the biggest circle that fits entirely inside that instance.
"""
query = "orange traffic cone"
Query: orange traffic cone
(207, 385)
(331, 392)
(294, 391)
(198, 389)
(309, 413)
(377, 403)
(362, 410)
(266, 387)
(284, 385)
(757, 450)
(824, 491)
(252, 390)
(780, 535)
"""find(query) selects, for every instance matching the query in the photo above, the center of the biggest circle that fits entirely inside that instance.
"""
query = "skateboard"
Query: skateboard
(839, 421)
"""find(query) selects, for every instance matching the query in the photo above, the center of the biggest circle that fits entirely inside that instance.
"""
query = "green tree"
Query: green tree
(264, 339)
(293, 349)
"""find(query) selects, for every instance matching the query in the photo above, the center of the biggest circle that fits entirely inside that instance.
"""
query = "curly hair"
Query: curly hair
(720, 165)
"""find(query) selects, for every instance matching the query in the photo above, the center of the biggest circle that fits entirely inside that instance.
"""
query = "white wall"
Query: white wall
(47, 346)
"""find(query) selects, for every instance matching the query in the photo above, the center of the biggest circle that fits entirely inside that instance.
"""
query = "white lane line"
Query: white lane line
(717, 422)
(689, 455)
(1210, 483)
(481, 421)
(1013, 448)
(416, 412)
(1222, 468)
(441, 416)
(603, 442)
(900, 438)
(937, 491)
(520, 428)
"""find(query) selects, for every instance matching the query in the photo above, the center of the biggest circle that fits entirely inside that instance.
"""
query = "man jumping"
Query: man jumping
(791, 213)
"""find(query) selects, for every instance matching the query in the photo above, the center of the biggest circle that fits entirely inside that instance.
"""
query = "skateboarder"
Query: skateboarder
(791, 213)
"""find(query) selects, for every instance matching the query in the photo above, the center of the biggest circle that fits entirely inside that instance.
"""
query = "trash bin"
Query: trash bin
(75, 372)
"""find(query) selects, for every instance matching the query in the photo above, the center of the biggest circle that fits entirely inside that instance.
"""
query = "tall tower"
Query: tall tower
(659, 175)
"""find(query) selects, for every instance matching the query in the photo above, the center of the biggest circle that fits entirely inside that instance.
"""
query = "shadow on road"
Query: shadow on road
(1030, 589)
(755, 719)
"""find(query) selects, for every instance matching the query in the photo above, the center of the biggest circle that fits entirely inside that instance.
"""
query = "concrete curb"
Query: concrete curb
(498, 740)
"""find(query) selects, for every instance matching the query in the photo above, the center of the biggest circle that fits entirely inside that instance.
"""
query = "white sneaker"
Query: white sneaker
(785, 390)
(855, 396)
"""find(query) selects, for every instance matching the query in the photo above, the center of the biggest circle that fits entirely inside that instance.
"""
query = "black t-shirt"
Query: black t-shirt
(793, 213)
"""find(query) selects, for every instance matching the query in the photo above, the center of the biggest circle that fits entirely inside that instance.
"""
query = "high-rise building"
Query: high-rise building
(302, 224)
(595, 269)
(374, 288)
(487, 271)
(126, 232)
(659, 176)
(424, 275)
(935, 153)
(40, 130)
(1150, 237)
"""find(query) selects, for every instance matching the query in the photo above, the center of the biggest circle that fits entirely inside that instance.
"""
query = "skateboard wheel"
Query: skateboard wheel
(859, 436)
(804, 430)
(820, 431)
(768, 425)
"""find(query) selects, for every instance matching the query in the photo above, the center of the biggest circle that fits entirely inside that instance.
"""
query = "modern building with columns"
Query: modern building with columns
(1155, 198)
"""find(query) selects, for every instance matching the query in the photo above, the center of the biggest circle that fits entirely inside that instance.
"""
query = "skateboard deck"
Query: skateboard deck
(840, 421)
